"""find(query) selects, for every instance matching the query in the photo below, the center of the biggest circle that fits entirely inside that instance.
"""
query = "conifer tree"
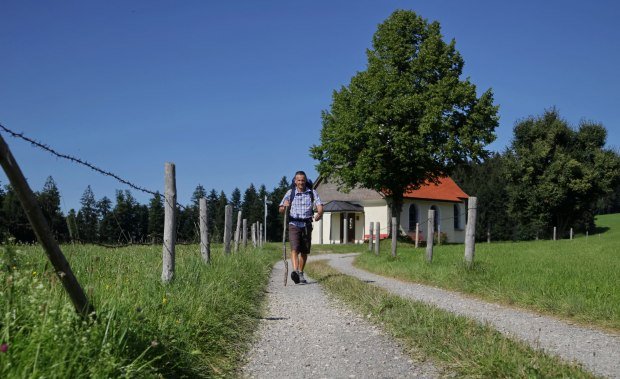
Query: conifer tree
(107, 225)
(87, 220)
(251, 205)
(49, 201)
(274, 218)
(211, 205)
(17, 223)
(156, 219)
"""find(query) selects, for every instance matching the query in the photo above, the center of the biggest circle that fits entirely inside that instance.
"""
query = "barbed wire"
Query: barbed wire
(75, 160)
(83, 163)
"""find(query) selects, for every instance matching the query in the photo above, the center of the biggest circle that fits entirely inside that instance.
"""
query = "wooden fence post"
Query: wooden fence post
(345, 229)
(571, 233)
(489, 233)
(43, 232)
(227, 228)
(238, 232)
(470, 231)
(205, 246)
(555, 230)
(321, 231)
(394, 237)
(245, 233)
(417, 234)
(430, 233)
(370, 232)
(170, 223)
(438, 232)
(378, 237)
(254, 235)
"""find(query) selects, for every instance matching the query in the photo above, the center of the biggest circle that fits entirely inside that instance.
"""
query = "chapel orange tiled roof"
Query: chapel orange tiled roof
(446, 190)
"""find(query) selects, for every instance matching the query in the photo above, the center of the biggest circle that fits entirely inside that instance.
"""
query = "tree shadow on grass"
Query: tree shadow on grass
(601, 229)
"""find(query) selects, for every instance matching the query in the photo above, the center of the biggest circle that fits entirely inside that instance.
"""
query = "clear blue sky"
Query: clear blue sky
(232, 91)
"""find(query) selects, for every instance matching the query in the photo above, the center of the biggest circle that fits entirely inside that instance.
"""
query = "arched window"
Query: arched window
(457, 217)
(437, 217)
(413, 216)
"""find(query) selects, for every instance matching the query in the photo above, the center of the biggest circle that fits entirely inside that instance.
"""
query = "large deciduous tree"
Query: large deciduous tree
(556, 173)
(408, 117)
(486, 180)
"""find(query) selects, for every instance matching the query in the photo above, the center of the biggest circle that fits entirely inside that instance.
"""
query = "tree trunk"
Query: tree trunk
(396, 206)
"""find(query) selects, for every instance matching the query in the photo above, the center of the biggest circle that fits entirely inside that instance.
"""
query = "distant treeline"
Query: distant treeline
(126, 221)
(552, 175)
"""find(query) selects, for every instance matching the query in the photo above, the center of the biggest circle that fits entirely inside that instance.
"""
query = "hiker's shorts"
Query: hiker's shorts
(301, 238)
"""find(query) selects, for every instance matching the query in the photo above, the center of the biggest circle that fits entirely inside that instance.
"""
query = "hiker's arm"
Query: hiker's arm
(319, 212)
(285, 204)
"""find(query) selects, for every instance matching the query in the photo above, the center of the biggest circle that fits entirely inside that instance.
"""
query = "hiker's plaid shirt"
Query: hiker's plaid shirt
(301, 205)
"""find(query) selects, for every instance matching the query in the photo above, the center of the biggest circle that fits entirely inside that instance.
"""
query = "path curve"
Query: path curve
(596, 350)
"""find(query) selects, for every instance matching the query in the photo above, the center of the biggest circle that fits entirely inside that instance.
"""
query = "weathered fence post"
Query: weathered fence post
(489, 233)
(43, 233)
(370, 232)
(238, 232)
(571, 233)
(430, 232)
(170, 223)
(555, 230)
(345, 238)
(438, 232)
(321, 231)
(417, 234)
(470, 231)
(378, 237)
(254, 235)
(245, 233)
(227, 228)
(260, 234)
(394, 237)
(205, 246)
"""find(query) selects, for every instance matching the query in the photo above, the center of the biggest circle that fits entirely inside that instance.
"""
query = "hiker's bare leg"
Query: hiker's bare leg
(302, 261)
(294, 259)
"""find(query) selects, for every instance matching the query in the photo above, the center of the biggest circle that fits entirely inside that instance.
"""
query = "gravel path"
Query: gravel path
(305, 334)
(340, 344)
(597, 351)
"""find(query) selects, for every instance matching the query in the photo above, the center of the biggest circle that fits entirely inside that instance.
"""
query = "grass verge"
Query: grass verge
(199, 325)
(460, 345)
(571, 279)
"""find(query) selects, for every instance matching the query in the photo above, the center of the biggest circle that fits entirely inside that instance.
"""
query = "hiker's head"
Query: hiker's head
(300, 180)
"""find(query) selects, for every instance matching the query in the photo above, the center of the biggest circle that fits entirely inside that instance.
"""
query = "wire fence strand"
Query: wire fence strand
(75, 160)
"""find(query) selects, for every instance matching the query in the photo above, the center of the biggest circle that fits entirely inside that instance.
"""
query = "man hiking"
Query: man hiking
(301, 199)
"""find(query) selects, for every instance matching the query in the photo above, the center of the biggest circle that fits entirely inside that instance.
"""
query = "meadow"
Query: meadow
(202, 323)
(572, 279)
(199, 325)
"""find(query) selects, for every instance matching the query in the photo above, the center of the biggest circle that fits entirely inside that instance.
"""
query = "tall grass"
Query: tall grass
(576, 279)
(196, 326)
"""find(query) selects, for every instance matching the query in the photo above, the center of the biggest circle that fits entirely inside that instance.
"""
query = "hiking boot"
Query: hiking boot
(295, 276)
(302, 279)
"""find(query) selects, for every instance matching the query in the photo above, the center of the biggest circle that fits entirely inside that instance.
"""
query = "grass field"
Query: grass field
(201, 324)
(574, 279)
(197, 326)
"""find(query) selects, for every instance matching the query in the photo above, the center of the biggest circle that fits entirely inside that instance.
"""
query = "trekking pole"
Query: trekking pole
(284, 247)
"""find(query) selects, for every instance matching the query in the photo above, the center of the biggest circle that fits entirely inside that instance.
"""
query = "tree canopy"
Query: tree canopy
(408, 117)
(556, 173)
